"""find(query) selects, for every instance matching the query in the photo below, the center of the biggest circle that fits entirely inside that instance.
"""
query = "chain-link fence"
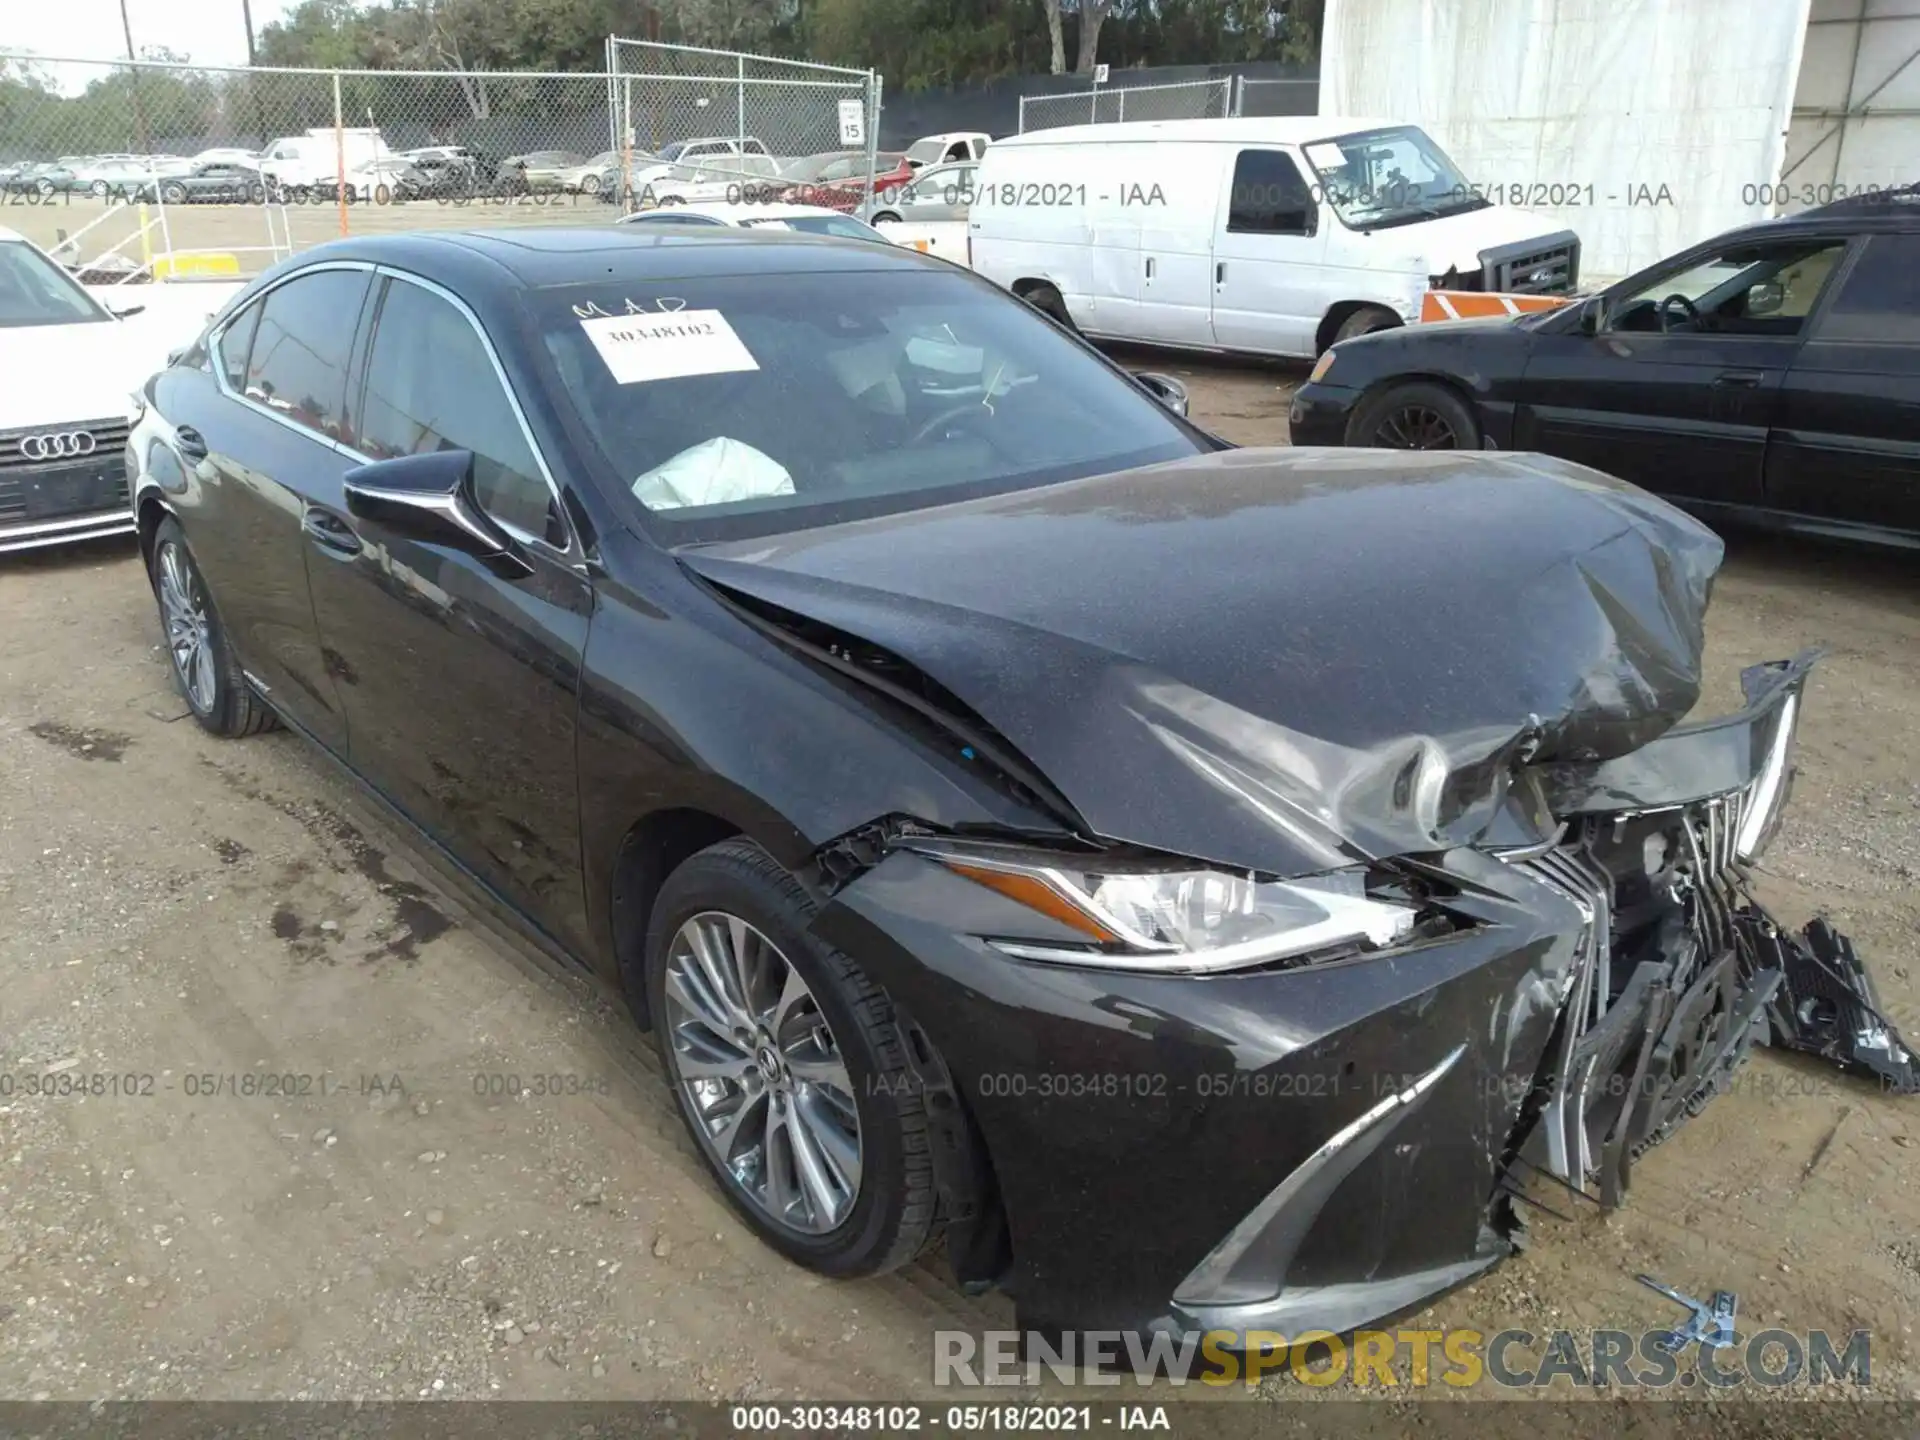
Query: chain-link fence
(694, 124)
(1116, 104)
(138, 170)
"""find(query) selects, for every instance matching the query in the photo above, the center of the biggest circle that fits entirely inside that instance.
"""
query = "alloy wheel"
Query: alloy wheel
(183, 609)
(765, 1078)
(1417, 427)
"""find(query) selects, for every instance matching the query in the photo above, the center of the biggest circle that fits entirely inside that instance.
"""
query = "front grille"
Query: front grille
(1533, 267)
(109, 439)
(33, 489)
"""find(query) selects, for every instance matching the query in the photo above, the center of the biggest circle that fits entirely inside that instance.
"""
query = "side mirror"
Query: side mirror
(1593, 316)
(125, 312)
(430, 498)
(1765, 299)
(1167, 390)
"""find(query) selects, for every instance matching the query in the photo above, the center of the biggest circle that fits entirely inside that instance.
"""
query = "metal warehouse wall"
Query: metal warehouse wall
(1662, 121)
(1856, 115)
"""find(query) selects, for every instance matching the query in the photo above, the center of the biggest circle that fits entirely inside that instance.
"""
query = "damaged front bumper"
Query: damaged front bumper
(1318, 1146)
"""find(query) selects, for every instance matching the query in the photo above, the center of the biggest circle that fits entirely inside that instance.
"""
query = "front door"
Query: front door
(461, 685)
(1264, 275)
(1847, 443)
(1678, 388)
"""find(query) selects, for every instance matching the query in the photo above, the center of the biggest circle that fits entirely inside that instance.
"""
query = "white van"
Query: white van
(1271, 236)
(314, 158)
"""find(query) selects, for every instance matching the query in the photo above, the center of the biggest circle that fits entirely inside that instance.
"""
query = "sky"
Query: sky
(208, 31)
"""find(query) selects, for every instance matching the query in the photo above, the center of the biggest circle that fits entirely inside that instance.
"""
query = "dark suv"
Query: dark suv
(1771, 374)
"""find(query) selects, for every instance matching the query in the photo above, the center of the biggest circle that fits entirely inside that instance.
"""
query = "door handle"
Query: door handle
(1220, 273)
(1740, 379)
(1149, 267)
(189, 443)
(330, 533)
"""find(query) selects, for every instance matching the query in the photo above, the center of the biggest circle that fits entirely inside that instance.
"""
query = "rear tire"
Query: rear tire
(886, 217)
(849, 1060)
(174, 194)
(1415, 415)
(204, 667)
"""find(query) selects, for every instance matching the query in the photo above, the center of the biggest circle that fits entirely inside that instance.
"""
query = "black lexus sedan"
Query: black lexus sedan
(1770, 376)
(1196, 885)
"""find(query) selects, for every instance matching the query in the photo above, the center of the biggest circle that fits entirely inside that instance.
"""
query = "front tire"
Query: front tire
(203, 664)
(1417, 415)
(1365, 321)
(788, 1067)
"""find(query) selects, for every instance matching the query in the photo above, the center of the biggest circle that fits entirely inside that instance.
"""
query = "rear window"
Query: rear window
(744, 405)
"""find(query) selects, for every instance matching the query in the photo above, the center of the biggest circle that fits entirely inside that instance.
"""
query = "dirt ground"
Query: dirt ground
(212, 913)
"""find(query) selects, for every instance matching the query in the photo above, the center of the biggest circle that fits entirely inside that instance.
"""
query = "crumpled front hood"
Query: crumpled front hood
(1277, 660)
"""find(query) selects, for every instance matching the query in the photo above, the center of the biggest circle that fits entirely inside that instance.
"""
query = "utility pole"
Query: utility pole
(133, 79)
(246, 16)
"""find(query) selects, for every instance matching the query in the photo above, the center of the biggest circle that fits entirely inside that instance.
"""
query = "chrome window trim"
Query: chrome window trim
(571, 551)
(218, 335)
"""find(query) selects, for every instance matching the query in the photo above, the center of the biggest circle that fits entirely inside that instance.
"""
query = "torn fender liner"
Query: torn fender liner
(1293, 660)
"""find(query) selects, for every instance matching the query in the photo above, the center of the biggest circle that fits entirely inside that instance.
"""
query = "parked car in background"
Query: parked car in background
(47, 178)
(731, 177)
(691, 161)
(227, 155)
(916, 719)
(945, 149)
(939, 192)
(588, 177)
(387, 180)
(551, 169)
(1268, 236)
(840, 179)
(1770, 375)
(66, 405)
(300, 164)
(755, 215)
(217, 183)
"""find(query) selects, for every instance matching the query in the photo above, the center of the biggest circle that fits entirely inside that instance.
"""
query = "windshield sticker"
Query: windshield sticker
(639, 348)
(1325, 155)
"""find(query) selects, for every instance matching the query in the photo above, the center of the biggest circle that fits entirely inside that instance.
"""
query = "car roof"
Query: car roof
(735, 213)
(1878, 212)
(1244, 130)
(480, 264)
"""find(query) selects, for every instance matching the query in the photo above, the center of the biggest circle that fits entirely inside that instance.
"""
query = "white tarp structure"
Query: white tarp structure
(1664, 121)
(1856, 115)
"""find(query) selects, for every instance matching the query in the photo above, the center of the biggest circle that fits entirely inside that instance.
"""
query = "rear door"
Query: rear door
(1679, 391)
(1846, 444)
(261, 434)
(460, 684)
(1268, 245)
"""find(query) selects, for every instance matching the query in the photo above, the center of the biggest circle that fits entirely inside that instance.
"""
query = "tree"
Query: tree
(1093, 14)
(1054, 34)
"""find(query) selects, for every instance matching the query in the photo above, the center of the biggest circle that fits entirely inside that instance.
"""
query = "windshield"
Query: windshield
(755, 404)
(814, 166)
(925, 152)
(35, 291)
(843, 225)
(1375, 179)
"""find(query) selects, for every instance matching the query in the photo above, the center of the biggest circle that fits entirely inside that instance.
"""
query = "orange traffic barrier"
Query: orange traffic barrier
(1481, 305)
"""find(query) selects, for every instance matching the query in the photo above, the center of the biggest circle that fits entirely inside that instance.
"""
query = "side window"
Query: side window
(1766, 289)
(297, 364)
(431, 386)
(979, 148)
(1880, 302)
(1269, 197)
(234, 342)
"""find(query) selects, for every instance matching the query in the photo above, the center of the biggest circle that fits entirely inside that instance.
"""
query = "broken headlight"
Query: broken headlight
(1187, 920)
(1768, 796)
